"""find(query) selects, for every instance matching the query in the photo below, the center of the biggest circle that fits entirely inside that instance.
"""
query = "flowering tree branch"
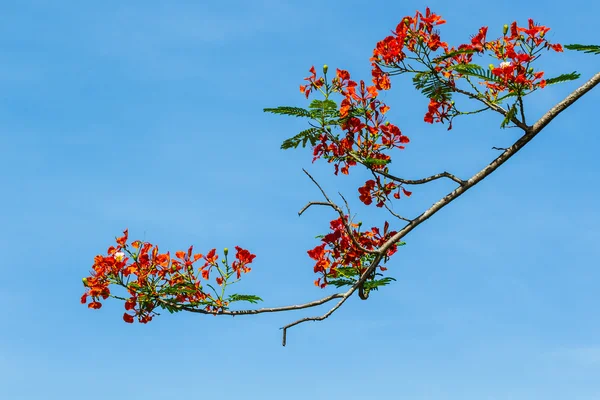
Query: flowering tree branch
(347, 256)
(530, 133)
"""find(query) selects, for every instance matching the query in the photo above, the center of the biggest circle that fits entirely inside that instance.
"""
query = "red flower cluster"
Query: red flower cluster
(156, 277)
(516, 50)
(362, 119)
(516, 53)
(338, 249)
(410, 34)
(375, 189)
(243, 258)
(313, 83)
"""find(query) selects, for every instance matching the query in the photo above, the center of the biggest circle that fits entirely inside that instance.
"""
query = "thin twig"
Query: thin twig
(345, 221)
(424, 180)
(234, 313)
(494, 107)
(411, 181)
(395, 214)
(314, 203)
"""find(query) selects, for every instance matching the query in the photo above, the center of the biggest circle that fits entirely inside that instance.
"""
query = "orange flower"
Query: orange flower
(123, 239)
(212, 256)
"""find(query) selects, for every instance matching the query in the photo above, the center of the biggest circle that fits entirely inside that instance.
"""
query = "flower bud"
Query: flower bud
(491, 66)
(504, 29)
(85, 282)
(325, 68)
(225, 251)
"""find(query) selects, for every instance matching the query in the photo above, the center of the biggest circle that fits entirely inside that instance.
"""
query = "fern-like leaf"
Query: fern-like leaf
(452, 54)
(323, 109)
(244, 297)
(338, 283)
(374, 285)
(477, 71)
(293, 111)
(310, 134)
(432, 86)
(586, 48)
(563, 78)
(509, 116)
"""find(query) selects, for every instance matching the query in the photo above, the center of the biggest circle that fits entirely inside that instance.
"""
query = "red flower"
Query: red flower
(95, 305)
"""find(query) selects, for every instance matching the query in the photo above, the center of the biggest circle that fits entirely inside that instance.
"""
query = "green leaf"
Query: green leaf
(509, 116)
(347, 272)
(341, 282)
(586, 48)
(452, 54)
(293, 111)
(432, 86)
(375, 284)
(320, 109)
(244, 297)
(563, 78)
(477, 71)
(369, 162)
(310, 134)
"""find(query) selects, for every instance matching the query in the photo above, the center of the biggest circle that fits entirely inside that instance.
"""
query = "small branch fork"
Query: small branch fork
(412, 181)
(339, 210)
(530, 133)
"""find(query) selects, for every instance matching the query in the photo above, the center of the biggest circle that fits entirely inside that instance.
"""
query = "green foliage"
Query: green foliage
(452, 54)
(348, 276)
(430, 84)
(292, 111)
(171, 308)
(377, 283)
(586, 48)
(310, 134)
(512, 112)
(244, 297)
(320, 109)
(324, 111)
(369, 162)
(339, 282)
(477, 72)
(563, 78)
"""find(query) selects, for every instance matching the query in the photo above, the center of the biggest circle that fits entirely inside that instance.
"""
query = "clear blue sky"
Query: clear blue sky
(147, 115)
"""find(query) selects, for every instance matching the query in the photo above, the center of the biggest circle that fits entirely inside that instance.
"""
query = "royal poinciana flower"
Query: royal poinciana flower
(156, 280)
(339, 250)
(415, 39)
(366, 134)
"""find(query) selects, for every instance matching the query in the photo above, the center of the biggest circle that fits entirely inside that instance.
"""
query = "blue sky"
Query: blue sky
(148, 116)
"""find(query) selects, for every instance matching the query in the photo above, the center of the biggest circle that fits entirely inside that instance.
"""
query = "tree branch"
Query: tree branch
(331, 204)
(411, 181)
(494, 107)
(530, 133)
(424, 180)
(256, 311)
